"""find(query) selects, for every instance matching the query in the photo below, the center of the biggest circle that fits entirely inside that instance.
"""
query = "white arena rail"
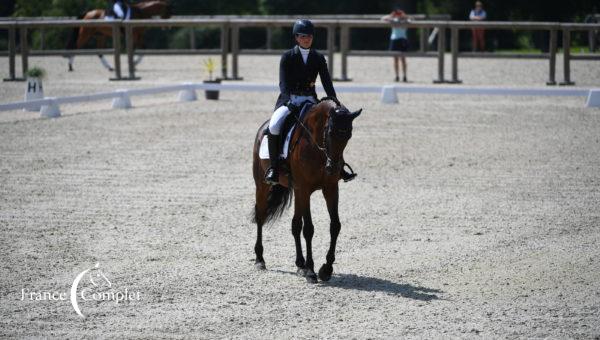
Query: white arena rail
(187, 92)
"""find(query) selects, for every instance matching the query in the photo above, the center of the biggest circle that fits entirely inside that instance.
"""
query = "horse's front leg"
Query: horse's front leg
(302, 211)
(309, 230)
(331, 195)
(101, 40)
(296, 230)
(71, 59)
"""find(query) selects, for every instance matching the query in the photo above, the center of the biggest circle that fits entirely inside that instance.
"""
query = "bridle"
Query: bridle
(328, 131)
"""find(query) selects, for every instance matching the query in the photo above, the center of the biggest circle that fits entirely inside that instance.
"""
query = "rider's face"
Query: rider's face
(304, 40)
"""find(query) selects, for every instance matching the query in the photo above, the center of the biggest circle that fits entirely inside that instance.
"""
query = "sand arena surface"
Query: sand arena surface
(472, 217)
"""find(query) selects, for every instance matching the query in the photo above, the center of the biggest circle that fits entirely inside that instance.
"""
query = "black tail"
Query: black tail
(279, 199)
(72, 42)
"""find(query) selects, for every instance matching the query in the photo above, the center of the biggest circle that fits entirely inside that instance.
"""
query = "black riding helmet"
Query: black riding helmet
(304, 26)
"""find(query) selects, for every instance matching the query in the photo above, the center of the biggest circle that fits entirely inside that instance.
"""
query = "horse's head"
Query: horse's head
(337, 135)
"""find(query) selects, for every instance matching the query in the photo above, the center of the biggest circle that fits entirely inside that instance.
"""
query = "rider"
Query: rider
(298, 71)
(117, 9)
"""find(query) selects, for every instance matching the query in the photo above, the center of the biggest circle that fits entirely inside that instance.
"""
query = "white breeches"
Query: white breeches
(120, 13)
(279, 115)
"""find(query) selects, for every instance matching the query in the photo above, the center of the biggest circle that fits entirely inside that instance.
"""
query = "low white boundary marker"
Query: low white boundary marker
(121, 99)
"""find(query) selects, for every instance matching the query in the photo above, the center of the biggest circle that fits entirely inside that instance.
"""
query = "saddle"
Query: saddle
(298, 113)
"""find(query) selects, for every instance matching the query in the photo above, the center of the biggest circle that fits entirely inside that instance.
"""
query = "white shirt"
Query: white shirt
(304, 52)
(118, 10)
(478, 14)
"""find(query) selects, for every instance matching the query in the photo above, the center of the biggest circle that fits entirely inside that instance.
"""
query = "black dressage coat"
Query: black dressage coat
(298, 78)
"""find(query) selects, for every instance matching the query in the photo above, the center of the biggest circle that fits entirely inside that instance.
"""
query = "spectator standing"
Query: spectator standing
(478, 14)
(398, 40)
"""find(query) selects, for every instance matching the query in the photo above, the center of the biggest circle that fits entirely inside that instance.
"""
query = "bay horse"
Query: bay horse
(142, 10)
(314, 163)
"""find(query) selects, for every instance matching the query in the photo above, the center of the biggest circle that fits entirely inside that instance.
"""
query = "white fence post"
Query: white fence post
(388, 95)
(593, 99)
(122, 101)
(50, 110)
(188, 94)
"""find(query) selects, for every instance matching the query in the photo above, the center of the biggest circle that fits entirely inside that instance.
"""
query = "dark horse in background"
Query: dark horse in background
(314, 163)
(141, 10)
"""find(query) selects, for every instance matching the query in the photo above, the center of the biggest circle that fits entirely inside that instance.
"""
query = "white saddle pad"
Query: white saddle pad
(263, 152)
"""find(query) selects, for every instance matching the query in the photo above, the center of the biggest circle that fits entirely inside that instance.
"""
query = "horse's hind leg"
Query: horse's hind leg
(331, 197)
(260, 214)
(296, 230)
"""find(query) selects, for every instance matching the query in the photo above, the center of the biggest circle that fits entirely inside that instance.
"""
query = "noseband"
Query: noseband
(329, 132)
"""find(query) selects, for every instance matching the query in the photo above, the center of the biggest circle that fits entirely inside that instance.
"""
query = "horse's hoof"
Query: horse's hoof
(260, 266)
(301, 272)
(325, 272)
(311, 277)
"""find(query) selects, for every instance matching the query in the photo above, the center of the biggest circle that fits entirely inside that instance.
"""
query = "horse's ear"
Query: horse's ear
(356, 114)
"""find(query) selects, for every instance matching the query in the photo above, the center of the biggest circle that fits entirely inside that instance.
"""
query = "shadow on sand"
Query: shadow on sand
(372, 284)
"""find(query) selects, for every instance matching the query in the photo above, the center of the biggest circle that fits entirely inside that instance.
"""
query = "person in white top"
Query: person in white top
(398, 40)
(478, 14)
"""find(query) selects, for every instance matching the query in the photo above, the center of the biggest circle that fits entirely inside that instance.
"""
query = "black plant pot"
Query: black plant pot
(212, 94)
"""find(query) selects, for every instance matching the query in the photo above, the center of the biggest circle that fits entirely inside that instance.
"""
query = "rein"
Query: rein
(329, 161)
(323, 149)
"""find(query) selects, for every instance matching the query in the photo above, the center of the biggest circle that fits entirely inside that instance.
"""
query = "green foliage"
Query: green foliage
(459, 9)
(214, 7)
(516, 10)
(36, 72)
(33, 8)
(524, 42)
(210, 66)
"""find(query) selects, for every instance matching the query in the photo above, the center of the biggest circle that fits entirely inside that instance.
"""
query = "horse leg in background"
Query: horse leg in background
(138, 59)
(331, 195)
(70, 59)
(138, 38)
(102, 44)
(302, 210)
(105, 63)
(260, 215)
(79, 37)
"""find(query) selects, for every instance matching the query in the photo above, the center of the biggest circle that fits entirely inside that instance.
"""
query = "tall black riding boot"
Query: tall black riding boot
(272, 174)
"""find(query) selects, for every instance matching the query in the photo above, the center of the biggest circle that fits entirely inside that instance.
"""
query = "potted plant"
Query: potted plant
(210, 66)
(34, 89)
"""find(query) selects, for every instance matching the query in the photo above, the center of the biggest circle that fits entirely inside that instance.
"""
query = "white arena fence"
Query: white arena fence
(121, 99)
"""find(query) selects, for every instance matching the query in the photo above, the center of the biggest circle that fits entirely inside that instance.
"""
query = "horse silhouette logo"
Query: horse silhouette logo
(97, 279)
